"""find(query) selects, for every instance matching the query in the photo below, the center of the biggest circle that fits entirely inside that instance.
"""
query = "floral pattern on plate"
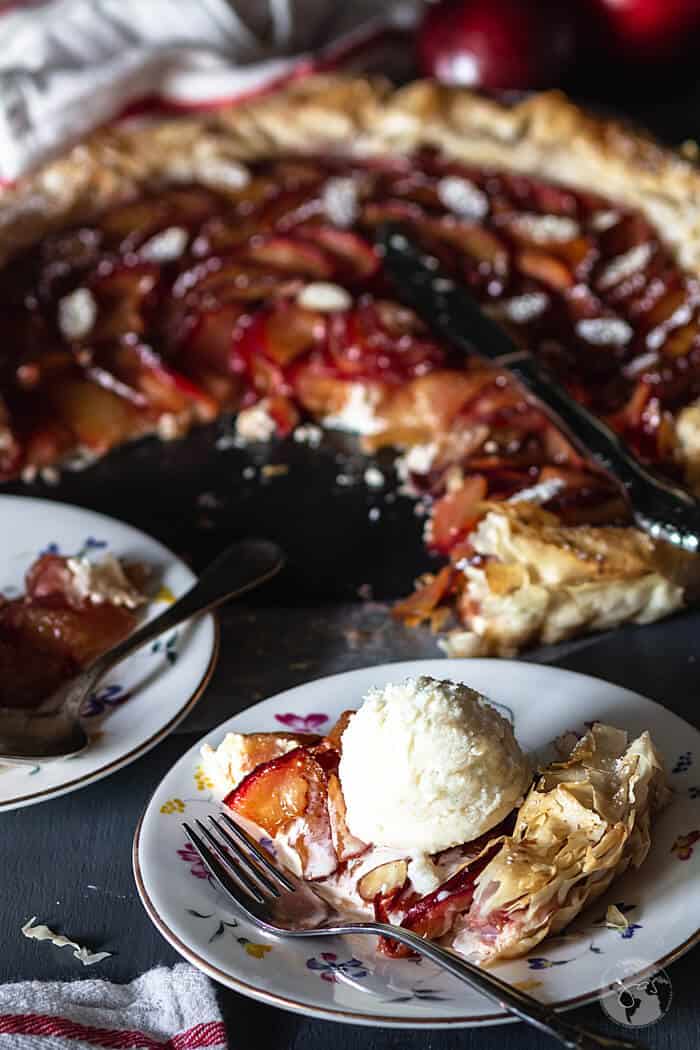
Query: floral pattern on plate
(302, 723)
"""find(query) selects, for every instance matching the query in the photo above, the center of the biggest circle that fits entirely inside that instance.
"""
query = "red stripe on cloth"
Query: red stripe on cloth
(155, 103)
(210, 1034)
(333, 58)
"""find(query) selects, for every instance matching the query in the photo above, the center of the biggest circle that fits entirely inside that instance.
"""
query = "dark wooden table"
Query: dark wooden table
(68, 860)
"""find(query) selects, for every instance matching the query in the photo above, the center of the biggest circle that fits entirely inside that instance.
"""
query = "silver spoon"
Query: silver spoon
(53, 730)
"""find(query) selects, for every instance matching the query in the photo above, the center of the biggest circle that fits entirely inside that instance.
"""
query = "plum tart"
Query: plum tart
(162, 275)
(584, 821)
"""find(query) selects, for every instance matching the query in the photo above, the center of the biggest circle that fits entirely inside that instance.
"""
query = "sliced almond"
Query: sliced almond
(325, 297)
(77, 313)
(384, 880)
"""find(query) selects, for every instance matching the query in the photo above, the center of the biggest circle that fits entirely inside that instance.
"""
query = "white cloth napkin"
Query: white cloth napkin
(162, 1010)
(67, 66)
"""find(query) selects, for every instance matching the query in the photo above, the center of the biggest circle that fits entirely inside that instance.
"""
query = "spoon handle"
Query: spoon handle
(240, 568)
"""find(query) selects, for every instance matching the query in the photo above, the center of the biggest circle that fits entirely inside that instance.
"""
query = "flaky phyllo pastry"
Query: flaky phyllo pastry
(584, 821)
(527, 579)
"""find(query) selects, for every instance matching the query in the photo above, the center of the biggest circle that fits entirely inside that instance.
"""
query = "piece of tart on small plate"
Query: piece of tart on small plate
(72, 584)
(424, 809)
(72, 610)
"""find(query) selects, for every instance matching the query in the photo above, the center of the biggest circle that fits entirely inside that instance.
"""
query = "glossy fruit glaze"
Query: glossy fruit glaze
(195, 311)
(49, 633)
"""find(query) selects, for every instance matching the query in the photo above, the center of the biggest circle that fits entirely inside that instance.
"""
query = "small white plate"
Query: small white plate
(343, 979)
(144, 697)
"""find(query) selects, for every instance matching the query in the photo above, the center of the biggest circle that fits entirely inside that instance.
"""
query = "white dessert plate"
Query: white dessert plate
(143, 698)
(343, 979)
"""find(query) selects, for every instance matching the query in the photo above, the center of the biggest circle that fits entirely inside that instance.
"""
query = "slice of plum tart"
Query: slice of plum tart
(161, 275)
(584, 821)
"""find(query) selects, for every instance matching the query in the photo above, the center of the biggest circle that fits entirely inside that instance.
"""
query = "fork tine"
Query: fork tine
(252, 846)
(217, 870)
(245, 859)
(239, 870)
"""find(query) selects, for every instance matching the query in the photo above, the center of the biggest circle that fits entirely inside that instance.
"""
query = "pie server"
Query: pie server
(660, 508)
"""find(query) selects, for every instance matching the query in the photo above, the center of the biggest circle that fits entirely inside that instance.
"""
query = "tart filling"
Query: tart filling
(72, 611)
(132, 323)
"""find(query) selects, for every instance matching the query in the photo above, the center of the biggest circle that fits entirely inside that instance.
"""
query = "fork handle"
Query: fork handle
(507, 996)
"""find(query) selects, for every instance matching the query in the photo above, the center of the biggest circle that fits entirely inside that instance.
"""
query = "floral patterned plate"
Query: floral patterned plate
(343, 979)
(144, 697)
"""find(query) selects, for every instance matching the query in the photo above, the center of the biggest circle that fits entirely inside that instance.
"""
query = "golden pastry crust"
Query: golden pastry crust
(538, 581)
(568, 555)
(585, 821)
(545, 135)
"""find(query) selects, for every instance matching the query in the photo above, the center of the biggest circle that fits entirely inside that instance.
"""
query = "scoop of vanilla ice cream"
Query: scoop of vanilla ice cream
(426, 765)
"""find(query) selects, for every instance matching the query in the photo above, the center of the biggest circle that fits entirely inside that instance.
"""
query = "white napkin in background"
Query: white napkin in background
(162, 1010)
(67, 66)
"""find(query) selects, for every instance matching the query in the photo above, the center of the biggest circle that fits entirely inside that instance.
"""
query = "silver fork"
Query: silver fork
(283, 905)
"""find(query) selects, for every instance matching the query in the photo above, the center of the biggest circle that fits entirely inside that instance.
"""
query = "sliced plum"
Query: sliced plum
(289, 795)
(434, 915)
